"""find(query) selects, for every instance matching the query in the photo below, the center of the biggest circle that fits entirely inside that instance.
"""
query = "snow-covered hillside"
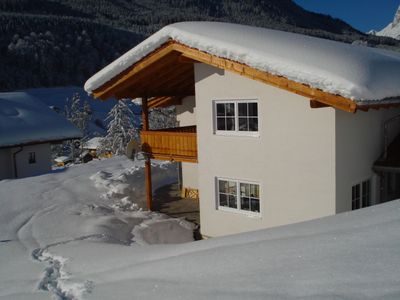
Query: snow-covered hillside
(68, 235)
(393, 29)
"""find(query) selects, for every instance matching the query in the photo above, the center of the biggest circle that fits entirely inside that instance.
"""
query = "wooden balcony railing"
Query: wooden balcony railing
(177, 144)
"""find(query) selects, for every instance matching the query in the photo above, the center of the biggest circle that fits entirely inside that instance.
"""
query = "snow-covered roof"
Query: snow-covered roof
(93, 143)
(62, 159)
(25, 120)
(352, 71)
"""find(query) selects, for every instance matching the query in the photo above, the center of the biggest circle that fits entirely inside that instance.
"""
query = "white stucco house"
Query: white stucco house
(275, 127)
(27, 128)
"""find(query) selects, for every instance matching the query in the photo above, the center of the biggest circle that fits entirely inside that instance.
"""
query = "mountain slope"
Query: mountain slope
(63, 42)
(393, 29)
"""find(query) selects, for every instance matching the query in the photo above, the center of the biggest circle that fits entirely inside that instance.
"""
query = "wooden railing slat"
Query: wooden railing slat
(174, 144)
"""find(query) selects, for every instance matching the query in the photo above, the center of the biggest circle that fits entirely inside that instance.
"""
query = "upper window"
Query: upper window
(361, 195)
(238, 195)
(236, 117)
(32, 158)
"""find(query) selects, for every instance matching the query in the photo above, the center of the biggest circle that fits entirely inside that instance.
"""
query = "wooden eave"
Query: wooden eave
(166, 75)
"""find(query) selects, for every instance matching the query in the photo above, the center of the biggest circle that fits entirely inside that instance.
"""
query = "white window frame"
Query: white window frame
(360, 184)
(238, 210)
(236, 132)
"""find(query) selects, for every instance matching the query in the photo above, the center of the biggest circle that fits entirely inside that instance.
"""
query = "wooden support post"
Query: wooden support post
(147, 169)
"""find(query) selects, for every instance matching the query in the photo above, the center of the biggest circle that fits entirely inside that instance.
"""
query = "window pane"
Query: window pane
(357, 191)
(220, 109)
(253, 124)
(232, 187)
(221, 123)
(357, 204)
(232, 202)
(244, 189)
(366, 193)
(253, 110)
(223, 186)
(243, 124)
(255, 205)
(230, 124)
(245, 203)
(223, 200)
(230, 109)
(365, 201)
(255, 190)
(242, 109)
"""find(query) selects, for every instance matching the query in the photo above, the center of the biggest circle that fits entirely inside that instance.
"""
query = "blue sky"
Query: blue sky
(361, 14)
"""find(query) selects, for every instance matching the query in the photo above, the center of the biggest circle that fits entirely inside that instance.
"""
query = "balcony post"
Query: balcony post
(147, 169)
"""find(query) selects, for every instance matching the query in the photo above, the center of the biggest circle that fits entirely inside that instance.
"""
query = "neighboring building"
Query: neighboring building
(91, 148)
(277, 127)
(27, 128)
(62, 161)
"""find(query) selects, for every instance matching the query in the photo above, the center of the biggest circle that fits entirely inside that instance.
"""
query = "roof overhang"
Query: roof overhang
(166, 75)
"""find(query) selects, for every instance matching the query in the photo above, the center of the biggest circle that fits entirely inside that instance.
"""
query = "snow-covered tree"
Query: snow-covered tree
(79, 113)
(121, 129)
(160, 118)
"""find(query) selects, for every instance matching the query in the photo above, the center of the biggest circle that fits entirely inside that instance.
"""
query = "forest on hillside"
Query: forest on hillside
(63, 42)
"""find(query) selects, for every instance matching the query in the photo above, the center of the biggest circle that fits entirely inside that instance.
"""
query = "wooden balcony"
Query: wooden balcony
(176, 144)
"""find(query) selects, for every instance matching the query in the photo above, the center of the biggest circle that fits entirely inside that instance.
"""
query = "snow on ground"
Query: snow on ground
(98, 201)
(68, 235)
(357, 72)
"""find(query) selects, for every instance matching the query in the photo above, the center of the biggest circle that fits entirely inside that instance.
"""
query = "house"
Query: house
(62, 161)
(92, 145)
(275, 127)
(27, 129)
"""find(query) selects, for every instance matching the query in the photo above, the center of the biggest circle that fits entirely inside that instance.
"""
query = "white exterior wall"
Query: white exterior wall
(186, 116)
(6, 166)
(293, 160)
(43, 160)
(359, 143)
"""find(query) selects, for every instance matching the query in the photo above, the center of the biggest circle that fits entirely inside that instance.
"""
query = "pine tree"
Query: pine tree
(121, 129)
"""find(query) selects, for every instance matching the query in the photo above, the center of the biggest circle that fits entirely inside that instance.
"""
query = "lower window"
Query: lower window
(238, 195)
(361, 195)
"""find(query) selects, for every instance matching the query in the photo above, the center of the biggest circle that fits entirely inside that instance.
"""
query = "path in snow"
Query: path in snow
(96, 202)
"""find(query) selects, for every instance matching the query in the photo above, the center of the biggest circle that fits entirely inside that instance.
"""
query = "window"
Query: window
(236, 117)
(361, 195)
(238, 195)
(32, 158)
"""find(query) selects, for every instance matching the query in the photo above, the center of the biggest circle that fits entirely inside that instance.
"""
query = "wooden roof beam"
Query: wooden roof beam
(164, 102)
(176, 76)
(125, 78)
(317, 104)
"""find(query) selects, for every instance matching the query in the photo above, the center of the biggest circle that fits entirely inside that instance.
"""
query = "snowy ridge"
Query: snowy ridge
(352, 71)
(393, 29)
